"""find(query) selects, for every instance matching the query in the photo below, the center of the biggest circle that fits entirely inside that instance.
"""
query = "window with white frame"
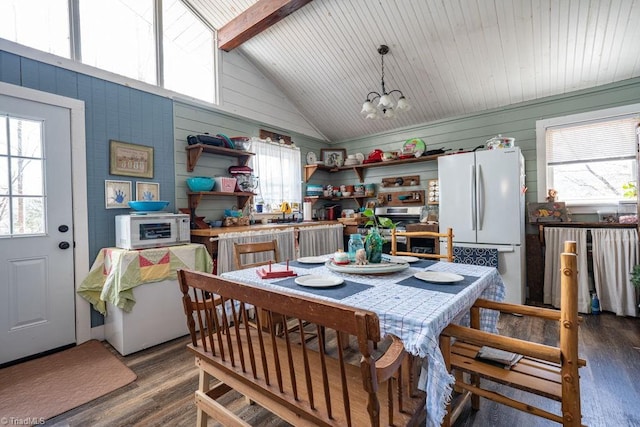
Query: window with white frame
(121, 36)
(590, 158)
(278, 168)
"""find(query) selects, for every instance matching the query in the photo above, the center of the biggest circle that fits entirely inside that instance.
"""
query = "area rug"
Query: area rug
(43, 388)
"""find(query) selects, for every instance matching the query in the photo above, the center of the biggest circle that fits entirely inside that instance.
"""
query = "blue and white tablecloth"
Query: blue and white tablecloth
(413, 313)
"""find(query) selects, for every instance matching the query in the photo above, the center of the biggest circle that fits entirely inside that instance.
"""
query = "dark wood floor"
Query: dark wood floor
(163, 393)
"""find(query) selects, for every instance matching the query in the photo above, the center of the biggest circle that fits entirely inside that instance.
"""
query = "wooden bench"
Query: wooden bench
(290, 377)
(544, 370)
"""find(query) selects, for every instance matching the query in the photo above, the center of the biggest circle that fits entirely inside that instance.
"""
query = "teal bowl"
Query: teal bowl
(200, 183)
(145, 205)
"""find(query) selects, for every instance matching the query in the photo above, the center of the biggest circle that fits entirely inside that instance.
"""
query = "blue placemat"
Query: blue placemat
(423, 263)
(449, 288)
(346, 289)
(302, 264)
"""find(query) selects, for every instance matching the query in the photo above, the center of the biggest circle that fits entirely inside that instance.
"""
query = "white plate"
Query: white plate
(399, 258)
(313, 259)
(360, 157)
(438, 276)
(381, 268)
(315, 281)
(311, 158)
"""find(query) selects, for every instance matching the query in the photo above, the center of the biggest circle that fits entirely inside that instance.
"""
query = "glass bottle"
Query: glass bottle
(373, 246)
(355, 243)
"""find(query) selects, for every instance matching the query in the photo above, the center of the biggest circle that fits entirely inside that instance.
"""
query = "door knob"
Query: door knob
(64, 245)
(63, 228)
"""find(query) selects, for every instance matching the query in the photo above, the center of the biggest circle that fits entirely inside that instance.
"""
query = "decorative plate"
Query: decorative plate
(313, 260)
(438, 276)
(360, 157)
(381, 268)
(316, 281)
(411, 146)
(311, 158)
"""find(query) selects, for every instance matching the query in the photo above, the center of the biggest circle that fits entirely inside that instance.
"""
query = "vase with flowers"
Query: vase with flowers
(373, 241)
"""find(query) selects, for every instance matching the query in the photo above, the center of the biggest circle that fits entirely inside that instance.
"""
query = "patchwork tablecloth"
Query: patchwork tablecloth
(115, 272)
(416, 314)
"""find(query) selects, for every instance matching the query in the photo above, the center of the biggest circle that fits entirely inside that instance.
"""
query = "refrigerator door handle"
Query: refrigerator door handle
(480, 197)
(472, 212)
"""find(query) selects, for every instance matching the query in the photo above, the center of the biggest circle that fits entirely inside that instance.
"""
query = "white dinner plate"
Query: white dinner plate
(315, 281)
(313, 259)
(438, 276)
(400, 258)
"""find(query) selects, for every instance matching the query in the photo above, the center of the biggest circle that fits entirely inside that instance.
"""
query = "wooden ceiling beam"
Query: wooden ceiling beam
(260, 16)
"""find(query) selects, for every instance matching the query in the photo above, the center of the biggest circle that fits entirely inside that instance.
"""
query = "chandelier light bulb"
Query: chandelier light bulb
(368, 108)
(385, 101)
(403, 105)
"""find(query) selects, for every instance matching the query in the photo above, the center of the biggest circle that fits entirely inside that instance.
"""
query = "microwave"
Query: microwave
(152, 230)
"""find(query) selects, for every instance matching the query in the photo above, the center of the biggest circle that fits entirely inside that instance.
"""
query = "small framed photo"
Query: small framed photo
(148, 191)
(130, 159)
(333, 157)
(117, 194)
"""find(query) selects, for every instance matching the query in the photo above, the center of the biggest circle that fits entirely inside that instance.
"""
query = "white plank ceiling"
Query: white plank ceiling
(449, 57)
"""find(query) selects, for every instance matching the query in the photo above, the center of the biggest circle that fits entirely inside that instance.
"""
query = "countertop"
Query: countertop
(216, 231)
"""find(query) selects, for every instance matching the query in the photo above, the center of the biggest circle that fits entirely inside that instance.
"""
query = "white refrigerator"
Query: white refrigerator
(482, 200)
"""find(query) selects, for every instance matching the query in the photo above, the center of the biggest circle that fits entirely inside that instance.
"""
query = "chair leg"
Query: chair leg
(203, 386)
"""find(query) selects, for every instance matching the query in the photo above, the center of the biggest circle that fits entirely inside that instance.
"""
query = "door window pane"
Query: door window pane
(22, 197)
(3, 135)
(118, 36)
(28, 215)
(26, 137)
(40, 24)
(188, 52)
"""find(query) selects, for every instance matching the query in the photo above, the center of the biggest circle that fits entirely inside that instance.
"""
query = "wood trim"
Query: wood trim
(260, 16)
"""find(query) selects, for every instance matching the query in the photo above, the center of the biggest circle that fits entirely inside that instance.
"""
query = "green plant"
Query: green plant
(377, 221)
(630, 190)
(635, 276)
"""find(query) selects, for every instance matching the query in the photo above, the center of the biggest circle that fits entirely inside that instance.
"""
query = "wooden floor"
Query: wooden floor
(163, 393)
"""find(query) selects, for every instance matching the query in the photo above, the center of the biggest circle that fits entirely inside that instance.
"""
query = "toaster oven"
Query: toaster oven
(142, 231)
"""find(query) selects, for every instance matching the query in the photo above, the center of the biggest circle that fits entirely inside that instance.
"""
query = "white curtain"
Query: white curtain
(615, 253)
(320, 240)
(554, 238)
(279, 171)
(285, 238)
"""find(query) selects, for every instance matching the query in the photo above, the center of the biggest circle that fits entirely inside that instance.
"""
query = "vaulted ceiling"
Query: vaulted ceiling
(449, 57)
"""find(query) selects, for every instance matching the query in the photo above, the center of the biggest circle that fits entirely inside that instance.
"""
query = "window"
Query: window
(278, 169)
(21, 180)
(121, 36)
(590, 159)
(40, 24)
(188, 49)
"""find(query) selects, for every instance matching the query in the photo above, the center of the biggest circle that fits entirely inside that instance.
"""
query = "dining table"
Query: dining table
(414, 301)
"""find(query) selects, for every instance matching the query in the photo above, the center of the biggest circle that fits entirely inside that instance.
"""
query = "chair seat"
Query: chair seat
(529, 374)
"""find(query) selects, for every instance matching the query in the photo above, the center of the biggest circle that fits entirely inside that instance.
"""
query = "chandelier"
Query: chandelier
(385, 108)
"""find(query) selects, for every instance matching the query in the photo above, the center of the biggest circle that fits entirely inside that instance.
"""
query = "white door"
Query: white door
(500, 198)
(37, 294)
(456, 179)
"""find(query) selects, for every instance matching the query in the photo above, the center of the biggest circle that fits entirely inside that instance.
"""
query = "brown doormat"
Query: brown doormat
(43, 388)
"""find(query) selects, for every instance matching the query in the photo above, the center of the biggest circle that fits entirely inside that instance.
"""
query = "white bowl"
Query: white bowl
(351, 162)
(346, 193)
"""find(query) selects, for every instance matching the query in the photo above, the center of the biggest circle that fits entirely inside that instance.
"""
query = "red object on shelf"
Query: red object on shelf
(273, 273)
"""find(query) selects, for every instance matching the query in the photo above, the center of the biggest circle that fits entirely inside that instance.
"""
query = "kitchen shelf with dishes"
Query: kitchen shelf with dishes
(193, 155)
(360, 200)
(359, 169)
(195, 151)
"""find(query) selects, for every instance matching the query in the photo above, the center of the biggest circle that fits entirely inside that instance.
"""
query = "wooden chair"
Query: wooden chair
(294, 380)
(544, 370)
(240, 249)
(425, 235)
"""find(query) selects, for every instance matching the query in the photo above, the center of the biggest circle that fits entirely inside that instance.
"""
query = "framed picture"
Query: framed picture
(547, 212)
(117, 194)
(333, 156)
(148, 191)
(130, 159)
